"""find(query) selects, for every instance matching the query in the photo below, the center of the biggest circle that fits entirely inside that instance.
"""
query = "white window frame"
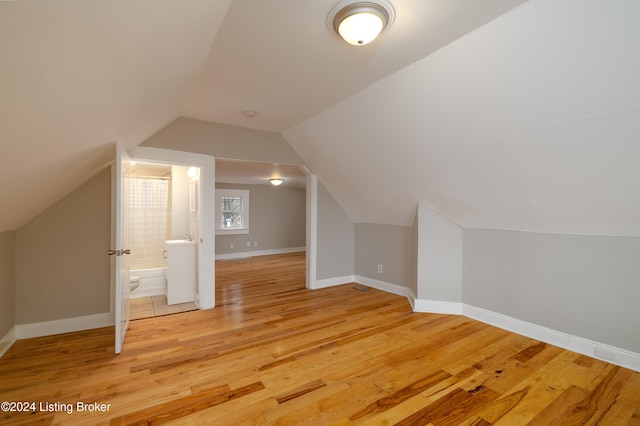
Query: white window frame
(244, 196)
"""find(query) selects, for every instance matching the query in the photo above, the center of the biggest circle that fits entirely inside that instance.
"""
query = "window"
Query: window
(232, 211)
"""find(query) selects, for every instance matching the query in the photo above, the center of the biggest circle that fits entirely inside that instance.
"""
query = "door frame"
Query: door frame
(311, 228)
(206, 210)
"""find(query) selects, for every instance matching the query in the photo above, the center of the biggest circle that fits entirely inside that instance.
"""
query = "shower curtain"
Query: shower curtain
(149, 216)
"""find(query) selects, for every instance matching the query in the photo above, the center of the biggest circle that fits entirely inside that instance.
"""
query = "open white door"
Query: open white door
(120, 206)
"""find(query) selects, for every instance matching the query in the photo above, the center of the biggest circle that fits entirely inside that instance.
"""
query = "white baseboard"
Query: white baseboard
(436, 306)
(67, 325)
(382, 285)
(246, 254)
(331, 282)
(358, 279)
(7, 341)
(614, 355)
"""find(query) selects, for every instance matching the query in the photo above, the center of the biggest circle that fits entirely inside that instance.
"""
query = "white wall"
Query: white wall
(439, 260)
(179, 202)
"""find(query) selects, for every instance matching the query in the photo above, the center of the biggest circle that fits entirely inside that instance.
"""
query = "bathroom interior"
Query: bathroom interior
(163, 235)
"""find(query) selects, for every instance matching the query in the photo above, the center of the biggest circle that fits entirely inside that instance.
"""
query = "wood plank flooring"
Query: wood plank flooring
(273, 352)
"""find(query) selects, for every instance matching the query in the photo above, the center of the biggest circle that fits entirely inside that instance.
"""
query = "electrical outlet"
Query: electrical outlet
(232, 245)
(379, 269)
(255, 244)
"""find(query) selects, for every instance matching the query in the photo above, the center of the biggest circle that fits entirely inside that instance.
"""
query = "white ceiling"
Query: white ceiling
(259, 173)
(279, 59)
(529, 123)
(495, 115)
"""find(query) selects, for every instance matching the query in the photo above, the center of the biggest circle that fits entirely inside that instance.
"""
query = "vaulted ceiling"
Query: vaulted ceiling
(501, 114)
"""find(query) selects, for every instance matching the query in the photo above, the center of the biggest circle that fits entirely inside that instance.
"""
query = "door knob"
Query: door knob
(127, 251)
(112, 252)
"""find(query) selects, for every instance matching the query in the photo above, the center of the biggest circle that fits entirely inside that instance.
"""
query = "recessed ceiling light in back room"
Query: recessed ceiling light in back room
(359, 23)
(249, 113)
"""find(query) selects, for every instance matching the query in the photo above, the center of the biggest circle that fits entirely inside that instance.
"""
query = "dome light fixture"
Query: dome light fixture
(276, 181)
(360, 22)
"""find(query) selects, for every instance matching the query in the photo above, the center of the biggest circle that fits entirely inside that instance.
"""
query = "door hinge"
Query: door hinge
(119, 252)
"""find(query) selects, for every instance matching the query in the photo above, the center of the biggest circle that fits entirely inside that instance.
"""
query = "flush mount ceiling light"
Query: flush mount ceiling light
(276, 181)
(360, 22)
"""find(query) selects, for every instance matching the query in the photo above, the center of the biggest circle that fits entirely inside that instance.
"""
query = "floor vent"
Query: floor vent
(361, 288)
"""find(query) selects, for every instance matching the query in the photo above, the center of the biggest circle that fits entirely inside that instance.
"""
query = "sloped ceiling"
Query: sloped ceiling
(78, 75)
(279, 59)
(531, 122)
(501, 114)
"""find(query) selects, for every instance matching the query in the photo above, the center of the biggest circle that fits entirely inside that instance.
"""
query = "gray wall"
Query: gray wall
(334, 252)
(581, 285)
(7, 282)
(277, 219)
(387, 245)
(223, 141)
(336, 238)
(62, 267)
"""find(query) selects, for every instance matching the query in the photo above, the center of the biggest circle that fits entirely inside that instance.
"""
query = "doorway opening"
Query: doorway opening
(177, 192)
(278, 219)
(163, 223)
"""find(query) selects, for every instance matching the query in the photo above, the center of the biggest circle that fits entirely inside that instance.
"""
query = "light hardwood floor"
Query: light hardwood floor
(273, 352)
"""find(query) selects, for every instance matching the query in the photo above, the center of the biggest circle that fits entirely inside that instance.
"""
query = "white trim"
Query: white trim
(67, 325)
(7, 341)
(246, 254)
(332, 282)
(607, 353)
(383, 285)
(311, 228)
(515, 325)
(232, 231)
(614, 355)
(358, 279)
(244, 195)
(436, 306)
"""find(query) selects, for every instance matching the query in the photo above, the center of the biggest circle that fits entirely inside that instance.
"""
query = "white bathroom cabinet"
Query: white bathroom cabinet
(181, 271)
